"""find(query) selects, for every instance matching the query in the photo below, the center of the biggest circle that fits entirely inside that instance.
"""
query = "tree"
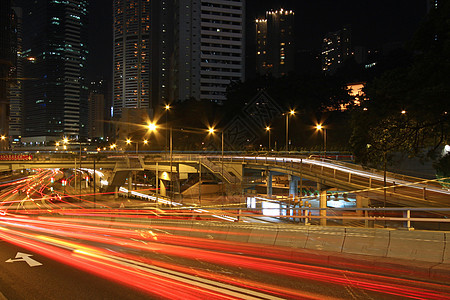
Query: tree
(442, 167)
(408, 106)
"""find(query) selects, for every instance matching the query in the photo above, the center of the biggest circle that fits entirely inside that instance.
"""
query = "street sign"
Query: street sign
(26, 258)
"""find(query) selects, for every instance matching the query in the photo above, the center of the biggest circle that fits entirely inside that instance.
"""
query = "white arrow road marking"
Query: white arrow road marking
(26, 258)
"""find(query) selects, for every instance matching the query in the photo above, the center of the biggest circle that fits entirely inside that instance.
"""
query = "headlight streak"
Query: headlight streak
(165, 283)
(364, 281)
(187, 247)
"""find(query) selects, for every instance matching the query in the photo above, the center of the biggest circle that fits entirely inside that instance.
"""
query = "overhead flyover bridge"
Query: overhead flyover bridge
(328, 174)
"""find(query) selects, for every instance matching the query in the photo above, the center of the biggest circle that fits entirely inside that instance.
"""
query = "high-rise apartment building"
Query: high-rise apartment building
(208, 48)
(336, 48)
(275, 50)
(132, 55)
(55, 53)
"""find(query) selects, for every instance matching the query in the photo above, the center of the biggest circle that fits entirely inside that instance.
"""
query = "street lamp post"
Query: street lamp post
(3, 139)
(211, 130)
(128, 141)
(291, 112)
(167, 108)
(268, 131)
(320, 127)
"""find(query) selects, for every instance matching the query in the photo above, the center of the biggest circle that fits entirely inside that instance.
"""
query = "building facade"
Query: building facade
(15, 92)
(6, 62)
(132, 55)
(208, 47)
(96, 109)
(336, 48)
(275, 49)
(55, 52)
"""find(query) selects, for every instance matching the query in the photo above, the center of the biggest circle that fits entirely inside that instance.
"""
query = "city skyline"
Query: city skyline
(373, 24)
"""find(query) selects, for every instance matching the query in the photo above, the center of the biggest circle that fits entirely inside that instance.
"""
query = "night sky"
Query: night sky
(373, 23)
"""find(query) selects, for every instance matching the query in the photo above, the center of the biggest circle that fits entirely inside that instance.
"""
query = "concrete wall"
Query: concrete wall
(424, 246)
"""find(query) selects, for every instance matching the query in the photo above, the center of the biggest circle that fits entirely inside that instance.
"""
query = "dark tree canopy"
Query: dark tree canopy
(408, 106)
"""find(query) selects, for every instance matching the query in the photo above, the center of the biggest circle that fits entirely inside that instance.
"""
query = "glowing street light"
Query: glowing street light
(151, 126)
(290, 113)
(129, 141)
(211, 130)
(320, 127)
(268, 131)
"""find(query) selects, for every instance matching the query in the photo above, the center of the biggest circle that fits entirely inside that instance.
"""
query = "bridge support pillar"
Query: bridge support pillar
(116, 192)
(269, 184)
(323, 204)
(363, 202)
(293, 185)
(130, 183)
(162, 188)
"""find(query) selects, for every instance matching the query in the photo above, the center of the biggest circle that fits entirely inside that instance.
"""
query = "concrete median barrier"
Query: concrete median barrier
(292, 237)
(446, 258)
(210, 230)
(417, 245)
(239, 233)
(366, 241)
(325, 238)
(263, 235)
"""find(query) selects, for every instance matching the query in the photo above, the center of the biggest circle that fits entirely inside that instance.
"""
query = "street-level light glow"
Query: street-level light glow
(113, 146)
(447, 148)
(292, 112)
(3, 137)
(65, 140)
(211, 130)
(145, 142)
(319, 127)
(57, 144)
(151, 126)
(98, 149)
(128, 141)
(268, 128)
(167, 107)
(403, 112)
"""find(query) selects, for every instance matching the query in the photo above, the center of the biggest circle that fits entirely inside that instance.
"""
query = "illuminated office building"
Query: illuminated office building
(55, 63)
(275, 50)
(6, 60)
(15, 92)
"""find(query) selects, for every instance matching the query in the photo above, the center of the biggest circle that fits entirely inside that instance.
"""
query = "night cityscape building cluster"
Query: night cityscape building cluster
(163, 52)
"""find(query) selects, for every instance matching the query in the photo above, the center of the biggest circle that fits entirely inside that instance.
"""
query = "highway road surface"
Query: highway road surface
(77, 258)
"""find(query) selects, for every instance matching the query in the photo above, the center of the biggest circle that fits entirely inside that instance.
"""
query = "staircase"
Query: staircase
(122, 169)
(217, 170)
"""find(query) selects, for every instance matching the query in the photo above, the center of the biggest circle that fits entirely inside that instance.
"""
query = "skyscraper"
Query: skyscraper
(55, 51)
(96, 110)
(6, 61)
(15, 92)
(208, 48)
(336, 48)
(132, 55)
(275, 49)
